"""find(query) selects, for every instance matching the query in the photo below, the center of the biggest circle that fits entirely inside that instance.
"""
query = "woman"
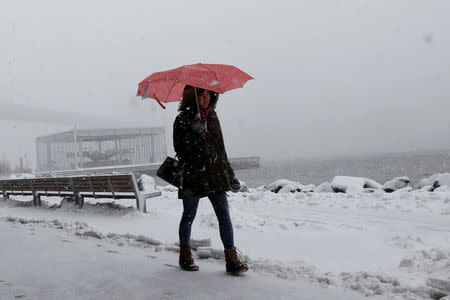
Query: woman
(198, 143)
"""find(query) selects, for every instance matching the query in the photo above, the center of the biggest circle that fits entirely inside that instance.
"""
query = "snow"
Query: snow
(442, 179)
(283, 185)
(396, 184)
(146, 183)
(308, 244)
(21, 176)
(47, 263)
(347, 184)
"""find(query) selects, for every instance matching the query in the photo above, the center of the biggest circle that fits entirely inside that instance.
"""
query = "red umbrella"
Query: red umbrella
(168, 86)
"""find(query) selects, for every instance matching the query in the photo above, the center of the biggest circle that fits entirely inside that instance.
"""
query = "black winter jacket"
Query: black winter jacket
(206, 168)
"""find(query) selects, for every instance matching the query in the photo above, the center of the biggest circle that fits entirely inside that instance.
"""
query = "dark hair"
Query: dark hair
(189, 103)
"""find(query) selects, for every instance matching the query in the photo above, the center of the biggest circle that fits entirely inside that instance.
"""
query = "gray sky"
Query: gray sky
(331, 77)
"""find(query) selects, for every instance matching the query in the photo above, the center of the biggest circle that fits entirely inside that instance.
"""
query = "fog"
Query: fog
(331, 77)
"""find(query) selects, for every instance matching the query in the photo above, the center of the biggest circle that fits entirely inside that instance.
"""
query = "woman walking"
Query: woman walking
(198, 143)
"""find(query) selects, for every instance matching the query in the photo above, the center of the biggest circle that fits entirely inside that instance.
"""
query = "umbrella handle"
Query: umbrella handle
(159, 102)
(196, 100)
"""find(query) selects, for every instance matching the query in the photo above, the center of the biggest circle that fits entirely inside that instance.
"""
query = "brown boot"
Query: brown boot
(186, 261)
(233, 264)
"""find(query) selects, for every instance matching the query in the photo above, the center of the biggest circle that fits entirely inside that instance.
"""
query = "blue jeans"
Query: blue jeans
(219, 202)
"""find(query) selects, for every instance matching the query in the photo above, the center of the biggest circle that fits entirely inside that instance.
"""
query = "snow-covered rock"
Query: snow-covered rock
(435, 181)
(284, 186)
(146, 183)
(427, 181)
(324, 188)
(441, 180)
(396, 184)
(371, 184)
(347, 184)
(308, 188)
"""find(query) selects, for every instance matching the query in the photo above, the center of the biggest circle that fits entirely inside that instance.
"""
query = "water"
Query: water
(381, 168)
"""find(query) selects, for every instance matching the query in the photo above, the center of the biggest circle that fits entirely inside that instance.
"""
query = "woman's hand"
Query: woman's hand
(235, 184)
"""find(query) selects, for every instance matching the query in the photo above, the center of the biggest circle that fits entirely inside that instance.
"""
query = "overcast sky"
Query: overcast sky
(331, 77)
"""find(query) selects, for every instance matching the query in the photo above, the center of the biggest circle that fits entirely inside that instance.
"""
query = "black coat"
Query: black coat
(206, 168)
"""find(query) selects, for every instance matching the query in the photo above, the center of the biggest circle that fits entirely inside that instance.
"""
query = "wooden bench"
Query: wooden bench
(123, 186)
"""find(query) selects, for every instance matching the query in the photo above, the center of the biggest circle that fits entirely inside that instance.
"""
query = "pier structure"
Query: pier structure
(81, 149)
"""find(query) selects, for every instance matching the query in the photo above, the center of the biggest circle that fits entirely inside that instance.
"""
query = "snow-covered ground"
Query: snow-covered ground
(301, 245)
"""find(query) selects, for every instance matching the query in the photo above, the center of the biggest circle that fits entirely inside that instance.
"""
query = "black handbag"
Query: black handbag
(171, 171)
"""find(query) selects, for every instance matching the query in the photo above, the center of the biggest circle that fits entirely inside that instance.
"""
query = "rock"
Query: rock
(347, 184)
(371, 184)
(427, 181)
(324, 188)
(441, 180)
(284, 186)
(396, 184)
(435, 181)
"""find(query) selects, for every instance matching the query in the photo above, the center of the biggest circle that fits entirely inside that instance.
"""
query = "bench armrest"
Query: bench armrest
(150, 194)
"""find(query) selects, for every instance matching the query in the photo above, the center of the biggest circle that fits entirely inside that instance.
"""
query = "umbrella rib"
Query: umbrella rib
(214, 74)
(175, 82)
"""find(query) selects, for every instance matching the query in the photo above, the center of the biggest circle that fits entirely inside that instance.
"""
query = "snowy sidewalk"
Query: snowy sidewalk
(391, 245)
(44, 263)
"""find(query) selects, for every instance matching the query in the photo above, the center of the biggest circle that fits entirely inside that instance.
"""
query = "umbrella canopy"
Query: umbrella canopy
(168, 86)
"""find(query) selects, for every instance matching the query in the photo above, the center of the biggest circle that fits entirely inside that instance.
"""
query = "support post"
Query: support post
(81, 202)
(140, 201)
(76, 196)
